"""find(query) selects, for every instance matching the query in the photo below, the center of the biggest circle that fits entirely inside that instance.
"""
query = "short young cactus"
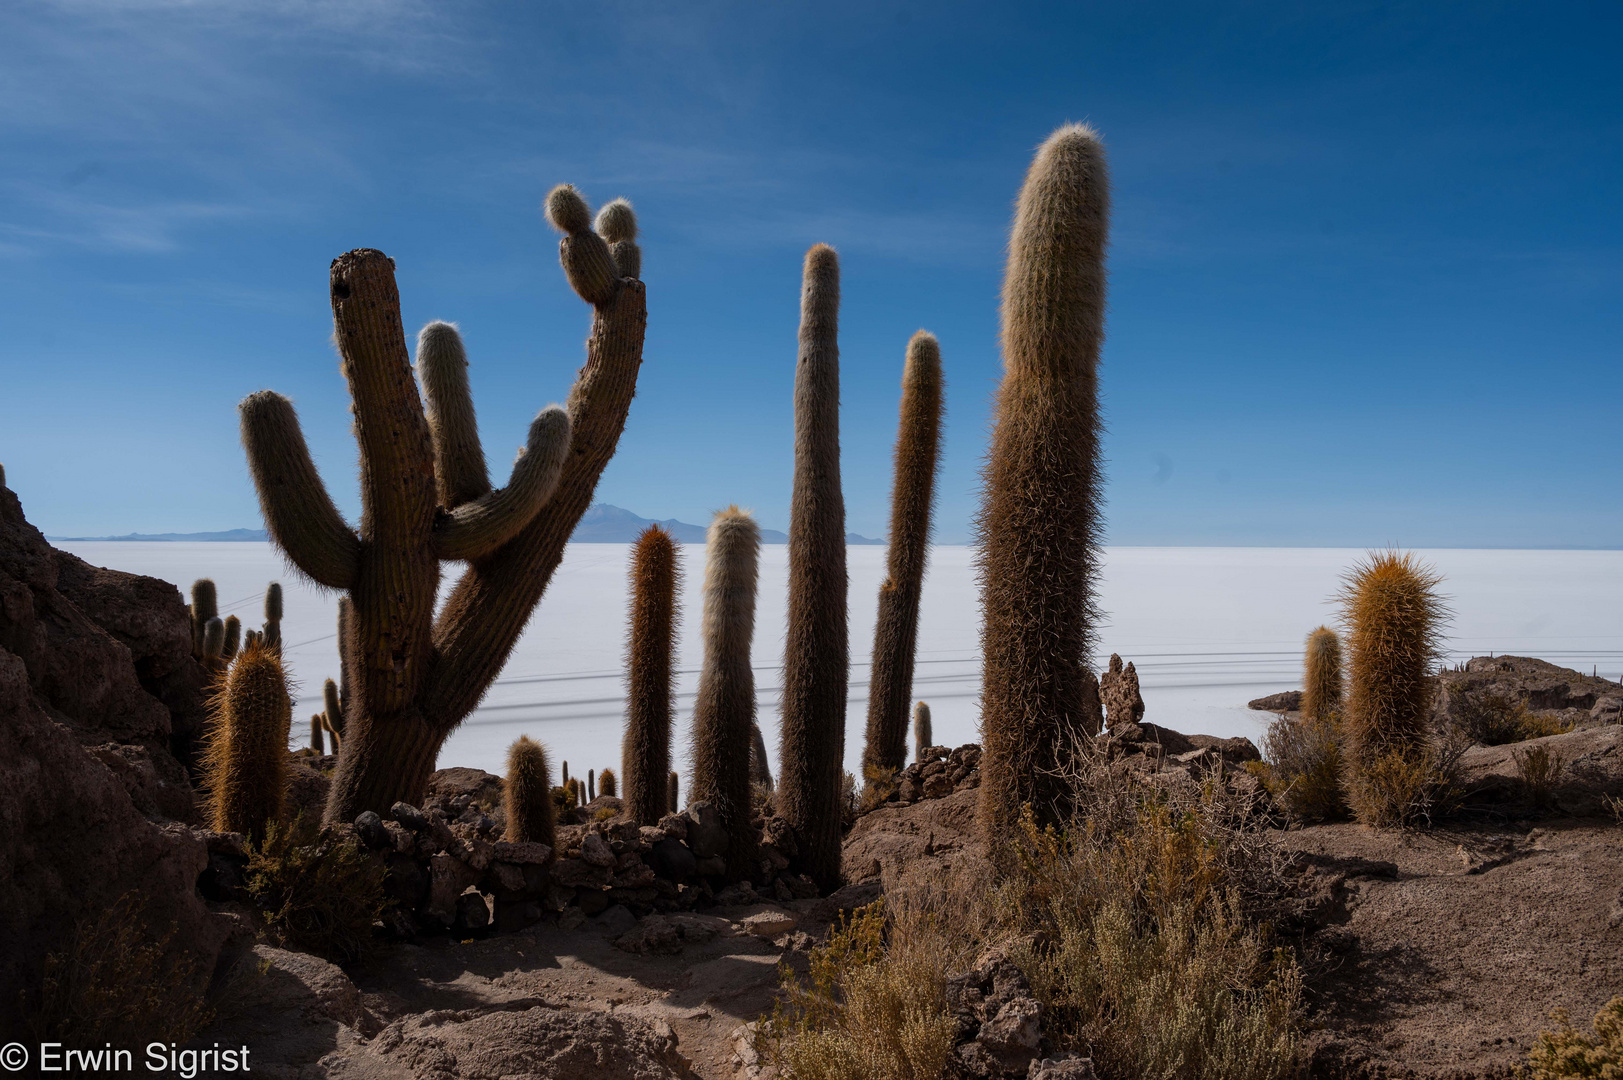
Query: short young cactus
(245, 760)
(527, 795)
(1321, 676)
(922, 734)
(645, 752)
(725, 707)
(425, 499)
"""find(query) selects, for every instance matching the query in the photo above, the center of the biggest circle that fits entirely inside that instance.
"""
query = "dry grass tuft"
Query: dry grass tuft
(1539, 768)
(319, 892)
(1568, 1054)
(873, 1006)
(122, 982)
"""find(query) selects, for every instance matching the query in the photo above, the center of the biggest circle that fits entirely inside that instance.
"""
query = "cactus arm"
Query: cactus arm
(477, 528)
(583, 254)
(459, 459)
(299, 514)
(617, 224)
(394, 590)
(490, 606)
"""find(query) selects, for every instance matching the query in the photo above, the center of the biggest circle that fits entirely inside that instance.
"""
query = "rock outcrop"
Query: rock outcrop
(88, 660)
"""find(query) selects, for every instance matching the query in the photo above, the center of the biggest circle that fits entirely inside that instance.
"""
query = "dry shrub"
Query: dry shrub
(1398, 788)
(1539, 768)
(1569, 1054)
(1140, 945)
(1493, 718)
(873, 1006)
(318, 890)
(1303, 770)
(121, 982)
(850, 801)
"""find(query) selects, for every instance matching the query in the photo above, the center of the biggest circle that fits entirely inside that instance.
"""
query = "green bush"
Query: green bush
(317, 889)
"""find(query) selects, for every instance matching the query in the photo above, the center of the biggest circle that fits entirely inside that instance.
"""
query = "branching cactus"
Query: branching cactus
(425, 498)
(921, 730)
(1040, 522)
(725, 707)
(645, 753)
(1321, 676)
(527, 795)
(896, 631)
(245, 762)
(816, 656)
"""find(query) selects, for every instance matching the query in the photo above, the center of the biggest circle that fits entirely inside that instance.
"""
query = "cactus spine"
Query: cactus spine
(725, 707)
(675, 793)
(1393, 618)
(816, 656)
(527, 796)
(245, 762)
(760, 766)
(896, 632)
(645, 754)
(1040, 520)
(921, 730)
(414, 676)
(1321, 676)
(608, 783)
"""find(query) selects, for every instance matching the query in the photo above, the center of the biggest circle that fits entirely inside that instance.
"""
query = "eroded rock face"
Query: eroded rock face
(93, 665)
(72, 843)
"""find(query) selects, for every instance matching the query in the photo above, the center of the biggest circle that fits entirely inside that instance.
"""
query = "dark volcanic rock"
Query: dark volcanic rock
(1284, 701)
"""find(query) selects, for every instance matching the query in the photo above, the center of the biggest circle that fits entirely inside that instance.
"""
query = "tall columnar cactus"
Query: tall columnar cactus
(425, 498)
(1393, 621)
(922, 735)
(725, 707)
(233, 638)
(645, 754)
(591, 785)
(896, 632)
(527, 795)
(608, 783)
(674, 795)
(317, 727)
(816, 656)
(760, 765)
(332, 714)
(245, 761)
(213, 658)
(1040, 522)
(1321, 676)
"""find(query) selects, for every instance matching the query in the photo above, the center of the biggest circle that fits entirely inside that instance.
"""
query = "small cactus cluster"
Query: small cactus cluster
(527, 794)
(216, 641)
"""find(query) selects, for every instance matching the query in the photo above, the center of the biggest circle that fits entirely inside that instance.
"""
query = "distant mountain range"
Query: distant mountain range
(602, 524)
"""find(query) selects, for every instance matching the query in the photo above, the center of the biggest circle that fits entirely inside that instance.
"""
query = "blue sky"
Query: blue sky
(1366, 264)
